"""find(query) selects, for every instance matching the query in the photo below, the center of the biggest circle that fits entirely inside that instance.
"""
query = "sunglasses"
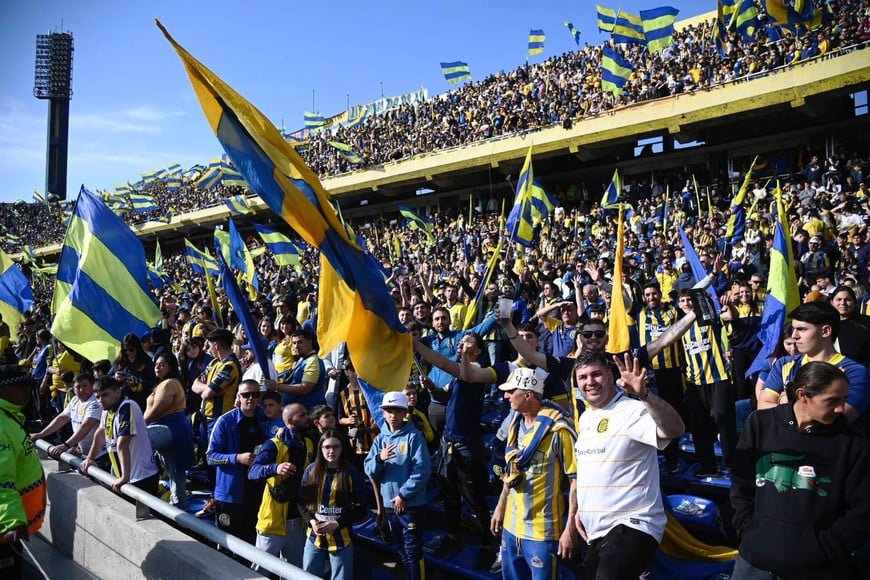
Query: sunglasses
(591, 333)
(253, 395)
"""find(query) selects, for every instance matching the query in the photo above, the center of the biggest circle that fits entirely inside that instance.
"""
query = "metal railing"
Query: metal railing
(146, 503)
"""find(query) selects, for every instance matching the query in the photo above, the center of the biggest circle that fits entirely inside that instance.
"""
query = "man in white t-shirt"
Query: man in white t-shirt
(619, 503)
(123, 431)
(82, 413)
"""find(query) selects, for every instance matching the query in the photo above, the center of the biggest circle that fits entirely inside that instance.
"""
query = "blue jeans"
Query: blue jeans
(408, 537)
(341, 562)
(528, 559)
(163, 443)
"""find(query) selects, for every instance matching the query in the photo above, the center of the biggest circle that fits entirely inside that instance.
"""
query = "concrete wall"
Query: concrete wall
(99, 530)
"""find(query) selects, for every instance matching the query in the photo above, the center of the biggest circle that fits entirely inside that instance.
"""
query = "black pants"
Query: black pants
(11, 561)
(672, 388)
(711, 409)
(623, 554)
(463, 476)
(238, 519)
(740, 362)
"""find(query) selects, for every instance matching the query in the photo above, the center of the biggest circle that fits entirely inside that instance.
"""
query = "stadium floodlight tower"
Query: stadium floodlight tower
(53, 82)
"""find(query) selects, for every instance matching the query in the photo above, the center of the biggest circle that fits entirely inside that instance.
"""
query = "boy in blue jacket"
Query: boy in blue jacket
(399, 460)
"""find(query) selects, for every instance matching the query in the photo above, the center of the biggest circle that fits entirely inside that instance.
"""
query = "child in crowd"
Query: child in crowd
(417, 418)
(271, 403)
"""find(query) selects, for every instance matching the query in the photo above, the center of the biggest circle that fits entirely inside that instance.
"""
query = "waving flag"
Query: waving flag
(536, 42)
(606, 18)
(143, 202)
(619, 322)
(286, 253)
(237, 205)
(347, 152)
(354, 304)
(745, 20)
(615, 71)
(698, 270)
(101, 292)
(737, 223)
(610, 199)
(455, 72)
(196, 258)
(542, 202)
(519, 222)
(628, 29)
(418, 222)
(313, 120)
(575, 34)
(240, 306)
(16, 297)
(658, 27)
(781, 297)
(360, 115)
(474, 305)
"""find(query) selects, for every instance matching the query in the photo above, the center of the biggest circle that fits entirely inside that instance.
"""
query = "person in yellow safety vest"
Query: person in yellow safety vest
(22, 481)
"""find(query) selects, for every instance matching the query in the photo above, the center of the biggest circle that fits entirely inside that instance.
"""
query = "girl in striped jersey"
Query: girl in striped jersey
(331, 492)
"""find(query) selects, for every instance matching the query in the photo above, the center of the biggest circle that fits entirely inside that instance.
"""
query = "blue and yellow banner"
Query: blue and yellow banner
(536, 41)
(615, 71)
(455, 72)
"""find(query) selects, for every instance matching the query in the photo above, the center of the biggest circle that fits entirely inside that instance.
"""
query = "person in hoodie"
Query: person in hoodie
(800, 482)
(399, 460)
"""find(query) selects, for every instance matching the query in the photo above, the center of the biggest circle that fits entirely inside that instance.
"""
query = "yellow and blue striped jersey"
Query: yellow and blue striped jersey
(334, 505)
(651, 325)
(705, 362)
(222, 376)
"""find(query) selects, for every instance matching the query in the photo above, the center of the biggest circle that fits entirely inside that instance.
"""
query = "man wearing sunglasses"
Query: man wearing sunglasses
(235, 442)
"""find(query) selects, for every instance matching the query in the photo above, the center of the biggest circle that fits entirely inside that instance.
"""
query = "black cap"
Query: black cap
(14, 376)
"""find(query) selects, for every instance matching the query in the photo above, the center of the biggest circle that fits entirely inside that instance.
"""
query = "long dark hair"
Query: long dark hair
(310, 494)
(814, 378)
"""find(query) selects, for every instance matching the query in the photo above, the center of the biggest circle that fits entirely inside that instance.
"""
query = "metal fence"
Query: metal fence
(146, 503)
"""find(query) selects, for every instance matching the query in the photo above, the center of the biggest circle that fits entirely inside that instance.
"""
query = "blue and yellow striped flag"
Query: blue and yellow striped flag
(286, 253)
(542, 202)
(196, 258)
(347, 152)
(16, 297)
(575, 33)
(745, 19)
(210, 178)
(101, 292)
(418, 222)
(658, 27)
(610, 199)
(360, 115)
(606, 18)
(237, 205)
(355, 305)
(628, 29)
(536, 41)
(142, 202)
(313, 120)
(519, 222)
(615, 71)
(737, 222)
(13, 239)
(474, 305)
(455, 72)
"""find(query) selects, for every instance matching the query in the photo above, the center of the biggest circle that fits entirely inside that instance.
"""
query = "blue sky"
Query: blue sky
(133, 109)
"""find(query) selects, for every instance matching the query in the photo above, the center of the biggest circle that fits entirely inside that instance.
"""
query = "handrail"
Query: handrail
(145, 501)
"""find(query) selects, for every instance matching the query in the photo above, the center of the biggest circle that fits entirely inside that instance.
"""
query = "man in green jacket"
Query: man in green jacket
(22, 481)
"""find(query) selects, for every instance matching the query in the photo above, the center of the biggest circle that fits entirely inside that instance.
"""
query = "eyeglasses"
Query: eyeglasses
(591, 333)
(251, 395)
(755, 281)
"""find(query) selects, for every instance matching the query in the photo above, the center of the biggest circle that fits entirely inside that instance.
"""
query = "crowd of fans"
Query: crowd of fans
(561, 90)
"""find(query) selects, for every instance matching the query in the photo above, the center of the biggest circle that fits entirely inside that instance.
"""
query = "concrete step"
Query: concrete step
(42, 561)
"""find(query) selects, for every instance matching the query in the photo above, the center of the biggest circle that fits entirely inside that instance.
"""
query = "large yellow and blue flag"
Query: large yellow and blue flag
(782, 297)
(231, 177)
(347, 152)
(143, 202)
(519, 223)
(745, 20)
(16, 297)
(360, 115)
(613, 192)
(628, 29)
(658, 27)
(418, 222)
(313, 120)
(101, 292)
(542, 202)
(618, 338)
(196, 258)
(615, 71)
(606, 18)
(455, 72)
(285, 252)
(536, 41)
(575, 33)
(355, 305)
(782, 16)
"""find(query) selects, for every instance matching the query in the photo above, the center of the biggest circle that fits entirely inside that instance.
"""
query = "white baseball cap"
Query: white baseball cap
(394, 400)
(524, 379)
